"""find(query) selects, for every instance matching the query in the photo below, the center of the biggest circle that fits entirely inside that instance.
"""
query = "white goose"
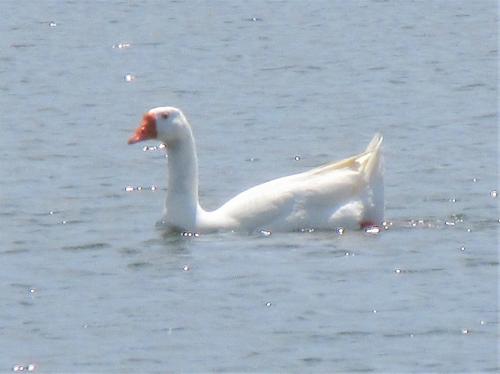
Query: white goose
(347, 194)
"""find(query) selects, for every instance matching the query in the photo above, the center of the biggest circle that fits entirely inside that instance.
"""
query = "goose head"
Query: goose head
(166, 124)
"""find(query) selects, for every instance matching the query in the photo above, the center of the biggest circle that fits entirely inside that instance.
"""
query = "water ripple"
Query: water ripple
(139, 265)
(86, 247)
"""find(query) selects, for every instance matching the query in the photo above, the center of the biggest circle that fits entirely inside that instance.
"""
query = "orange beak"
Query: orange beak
(146, 130)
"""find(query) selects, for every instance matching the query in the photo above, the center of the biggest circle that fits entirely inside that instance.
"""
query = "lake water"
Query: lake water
(88, 284)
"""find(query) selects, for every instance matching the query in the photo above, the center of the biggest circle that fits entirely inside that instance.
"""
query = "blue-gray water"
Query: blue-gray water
(89, 285)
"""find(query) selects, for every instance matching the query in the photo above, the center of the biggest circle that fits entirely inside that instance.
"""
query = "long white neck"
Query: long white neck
(182, 195)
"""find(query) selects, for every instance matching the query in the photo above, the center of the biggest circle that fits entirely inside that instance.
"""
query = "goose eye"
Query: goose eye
(164, 115)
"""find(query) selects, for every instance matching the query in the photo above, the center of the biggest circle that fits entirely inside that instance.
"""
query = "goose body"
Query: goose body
(348, 193)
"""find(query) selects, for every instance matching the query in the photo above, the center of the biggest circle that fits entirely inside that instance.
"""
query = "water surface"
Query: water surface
(90, 285)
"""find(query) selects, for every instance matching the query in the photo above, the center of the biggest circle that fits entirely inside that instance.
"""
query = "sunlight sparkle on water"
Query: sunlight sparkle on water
(153, 147)
(141, 188)
(121, 45)
(307, 230)
(189, 234)
(29, 367)
(373, 230)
